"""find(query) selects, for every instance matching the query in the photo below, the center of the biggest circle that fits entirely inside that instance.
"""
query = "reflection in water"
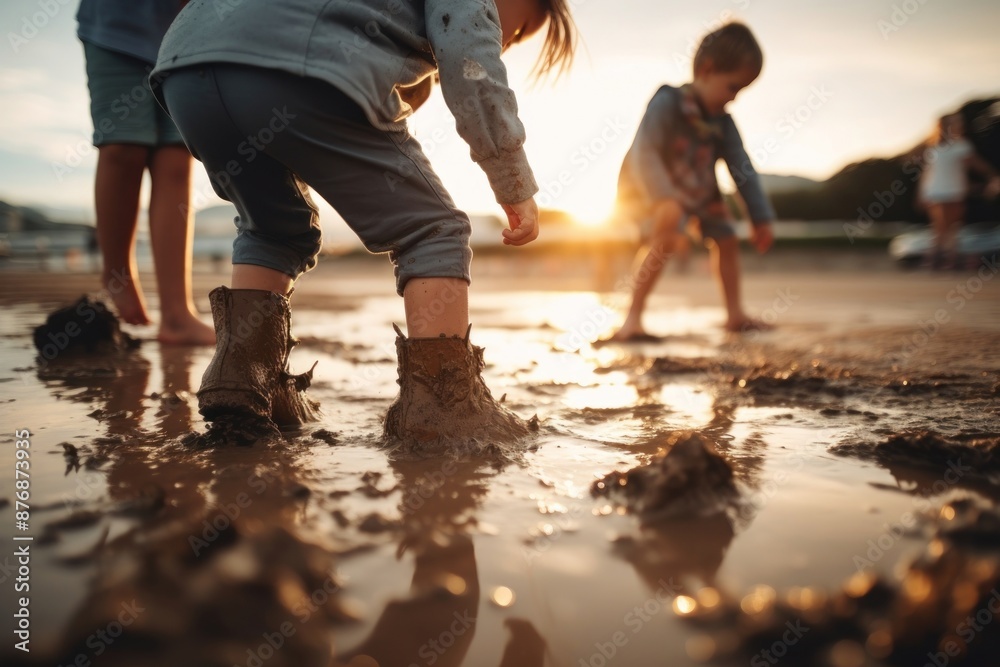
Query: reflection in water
(436, 622)
(195, 557)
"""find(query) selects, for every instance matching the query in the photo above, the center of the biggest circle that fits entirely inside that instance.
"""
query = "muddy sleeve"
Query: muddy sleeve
(651, 147)
(744, 175)
(465, 36)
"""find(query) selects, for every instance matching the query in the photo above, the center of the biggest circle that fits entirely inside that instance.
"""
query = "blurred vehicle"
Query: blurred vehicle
(910, 249)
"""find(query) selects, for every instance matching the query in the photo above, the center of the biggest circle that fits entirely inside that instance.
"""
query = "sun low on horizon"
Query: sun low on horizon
(837, 87)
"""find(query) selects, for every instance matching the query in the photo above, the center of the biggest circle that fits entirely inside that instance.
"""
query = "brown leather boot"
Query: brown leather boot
(444, 405)
(247, 383)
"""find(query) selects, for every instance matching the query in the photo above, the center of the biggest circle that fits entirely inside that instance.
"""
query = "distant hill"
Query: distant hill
(886, 188)
(775, 184)
(26, 219)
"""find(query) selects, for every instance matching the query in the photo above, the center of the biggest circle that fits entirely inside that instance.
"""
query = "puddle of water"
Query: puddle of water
(525, 550)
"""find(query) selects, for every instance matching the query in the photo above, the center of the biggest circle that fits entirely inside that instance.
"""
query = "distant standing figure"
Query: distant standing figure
(944, 186)
(133, 134)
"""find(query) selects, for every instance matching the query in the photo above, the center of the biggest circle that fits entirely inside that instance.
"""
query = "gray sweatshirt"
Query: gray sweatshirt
(366, 48)
(674, 153)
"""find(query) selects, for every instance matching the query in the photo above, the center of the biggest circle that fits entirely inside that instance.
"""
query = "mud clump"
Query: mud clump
(241, 430)
(938, 606)
(86, 327)
(691, 479)
(794, 381)
(217, 600)
(977, 456)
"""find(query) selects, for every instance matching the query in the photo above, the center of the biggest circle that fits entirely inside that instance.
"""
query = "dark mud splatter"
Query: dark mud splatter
(973, 456)
(930, 609)
(85, 327)
(690, 480)
(215, 605)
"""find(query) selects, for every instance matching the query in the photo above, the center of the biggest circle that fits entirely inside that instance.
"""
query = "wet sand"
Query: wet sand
(860, 527)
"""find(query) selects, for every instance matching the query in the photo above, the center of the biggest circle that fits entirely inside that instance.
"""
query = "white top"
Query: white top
(944, 177)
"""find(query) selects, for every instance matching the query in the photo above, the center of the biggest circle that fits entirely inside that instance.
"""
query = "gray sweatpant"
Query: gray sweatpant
(264, 134)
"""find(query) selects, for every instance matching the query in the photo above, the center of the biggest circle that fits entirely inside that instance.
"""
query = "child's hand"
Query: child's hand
(762, 236)
(992, 188)
(523, 220)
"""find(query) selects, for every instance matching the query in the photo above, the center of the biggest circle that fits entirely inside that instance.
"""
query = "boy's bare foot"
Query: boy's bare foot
(629, 334)
(187, 331)
(745, 324)
(126, 294)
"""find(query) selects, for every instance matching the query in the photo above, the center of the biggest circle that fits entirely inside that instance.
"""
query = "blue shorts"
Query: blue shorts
(704, 227)
(122, 105)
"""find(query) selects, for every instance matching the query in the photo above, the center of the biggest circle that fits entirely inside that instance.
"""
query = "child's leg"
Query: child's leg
(436, 306)
(251, 276)
(171, 231)
(116, 197)
(649, 263)
(952, 214)
(725, 254)
(939, 226)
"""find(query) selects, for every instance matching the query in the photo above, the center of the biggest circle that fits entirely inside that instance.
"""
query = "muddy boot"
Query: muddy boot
(444, 405)
(246, 391)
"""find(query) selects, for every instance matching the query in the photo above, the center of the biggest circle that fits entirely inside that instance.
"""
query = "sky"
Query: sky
(843, 80)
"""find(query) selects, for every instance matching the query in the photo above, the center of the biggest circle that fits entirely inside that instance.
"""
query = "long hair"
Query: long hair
(560, 40)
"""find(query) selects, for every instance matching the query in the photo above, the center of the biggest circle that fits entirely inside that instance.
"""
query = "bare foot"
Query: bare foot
(629, 334)
(126, 294)
(746, 324)
(188, 331)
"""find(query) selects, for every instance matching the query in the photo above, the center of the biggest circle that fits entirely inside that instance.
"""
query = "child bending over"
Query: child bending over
(667, 182)
(275, 95)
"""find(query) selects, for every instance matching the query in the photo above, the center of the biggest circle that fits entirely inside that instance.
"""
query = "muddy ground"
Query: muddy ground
(823, 494)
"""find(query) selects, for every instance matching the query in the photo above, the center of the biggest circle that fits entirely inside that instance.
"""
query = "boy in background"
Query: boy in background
(667, 180)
